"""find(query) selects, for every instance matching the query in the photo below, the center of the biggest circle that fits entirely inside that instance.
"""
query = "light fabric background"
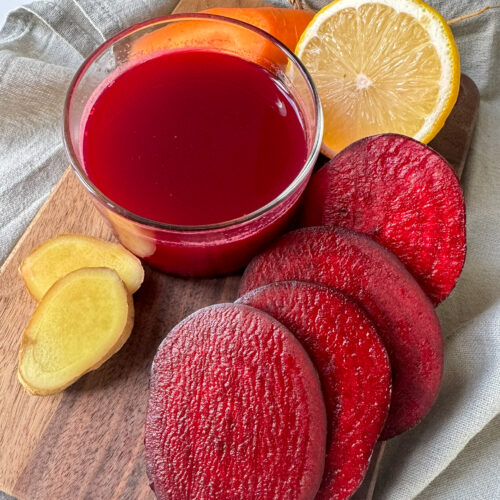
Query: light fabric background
(6, 6)
(455, 453)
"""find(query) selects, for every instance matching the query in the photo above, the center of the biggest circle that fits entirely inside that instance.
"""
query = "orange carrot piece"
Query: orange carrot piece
(284, 24)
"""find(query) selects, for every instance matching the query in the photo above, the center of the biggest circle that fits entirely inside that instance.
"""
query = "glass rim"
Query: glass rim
(115, 207)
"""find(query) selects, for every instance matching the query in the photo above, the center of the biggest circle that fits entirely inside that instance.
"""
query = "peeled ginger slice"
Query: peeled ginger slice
(81, 322)
(65, 253)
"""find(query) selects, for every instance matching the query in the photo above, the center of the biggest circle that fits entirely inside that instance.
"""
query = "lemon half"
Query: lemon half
(381, 66)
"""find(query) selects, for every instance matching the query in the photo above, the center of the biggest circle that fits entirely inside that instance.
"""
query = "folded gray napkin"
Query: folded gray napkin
(454, 453)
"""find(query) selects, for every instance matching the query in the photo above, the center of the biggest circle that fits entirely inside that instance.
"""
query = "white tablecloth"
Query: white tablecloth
(454, 454)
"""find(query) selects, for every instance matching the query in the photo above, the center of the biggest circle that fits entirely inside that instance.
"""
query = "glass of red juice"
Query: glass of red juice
(196, 136)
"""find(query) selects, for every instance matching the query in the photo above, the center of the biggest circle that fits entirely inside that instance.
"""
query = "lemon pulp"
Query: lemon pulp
(381, 66)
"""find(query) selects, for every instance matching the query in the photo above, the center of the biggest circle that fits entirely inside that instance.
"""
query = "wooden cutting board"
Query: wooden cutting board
(88, 441)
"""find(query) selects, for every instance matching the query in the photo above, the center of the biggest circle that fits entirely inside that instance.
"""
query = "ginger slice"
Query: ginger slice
(65, 253)
(81, 322)
(137, 238)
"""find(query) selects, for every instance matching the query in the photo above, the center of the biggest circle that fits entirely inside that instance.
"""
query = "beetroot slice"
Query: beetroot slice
(402, 313)
(402, 194)
(352, 365)
(235, 410)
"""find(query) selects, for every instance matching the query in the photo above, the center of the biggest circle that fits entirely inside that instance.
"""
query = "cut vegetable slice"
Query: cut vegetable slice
(352, 365)
(381, 66)
(235, 409)
(402, 313)
(80, 323)
(65, 253)
(138, 238)
(402, 194)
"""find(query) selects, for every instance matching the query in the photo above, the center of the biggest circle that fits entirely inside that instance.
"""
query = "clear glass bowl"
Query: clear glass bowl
(205, 250)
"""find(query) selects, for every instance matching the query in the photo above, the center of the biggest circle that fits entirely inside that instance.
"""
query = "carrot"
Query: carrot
(284, 24)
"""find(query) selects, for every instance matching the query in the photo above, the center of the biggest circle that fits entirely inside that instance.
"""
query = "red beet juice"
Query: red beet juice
(194, 138)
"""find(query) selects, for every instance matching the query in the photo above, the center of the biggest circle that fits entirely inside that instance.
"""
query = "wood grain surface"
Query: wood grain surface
(88, 441)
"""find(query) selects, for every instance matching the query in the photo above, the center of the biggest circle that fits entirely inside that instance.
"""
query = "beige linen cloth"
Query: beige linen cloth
(455, 453)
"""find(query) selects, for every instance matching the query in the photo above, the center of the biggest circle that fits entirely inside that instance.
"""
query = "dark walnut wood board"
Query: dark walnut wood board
(87, 442)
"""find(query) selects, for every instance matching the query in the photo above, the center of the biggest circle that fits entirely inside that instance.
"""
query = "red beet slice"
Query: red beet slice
(402, 194)
(235, 410)
(352, 365)
(402, 313)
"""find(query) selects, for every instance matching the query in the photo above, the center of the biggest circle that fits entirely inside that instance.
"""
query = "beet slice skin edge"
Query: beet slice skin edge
(235, 410)
(352, 365)
(405, 196)
(365, 271)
